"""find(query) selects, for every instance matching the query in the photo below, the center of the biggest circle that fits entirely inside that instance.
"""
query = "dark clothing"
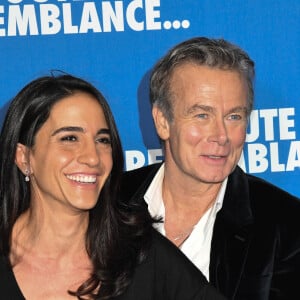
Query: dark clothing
(9, 288)
(166, 274)
(255, 250)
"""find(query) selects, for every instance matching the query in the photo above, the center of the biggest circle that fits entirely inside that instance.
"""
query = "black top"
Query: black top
(166, 274)
(9, 288)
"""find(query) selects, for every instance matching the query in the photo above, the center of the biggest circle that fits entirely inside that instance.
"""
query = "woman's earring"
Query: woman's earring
(27, 173)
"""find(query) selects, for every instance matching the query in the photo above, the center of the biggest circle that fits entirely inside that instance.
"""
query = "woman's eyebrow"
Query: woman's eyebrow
(103, 130)
(67, 129)
(78, 129)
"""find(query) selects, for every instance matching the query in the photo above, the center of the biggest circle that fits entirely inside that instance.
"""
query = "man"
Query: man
(240, 231)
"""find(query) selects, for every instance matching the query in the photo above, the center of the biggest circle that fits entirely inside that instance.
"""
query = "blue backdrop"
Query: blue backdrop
(114, 44)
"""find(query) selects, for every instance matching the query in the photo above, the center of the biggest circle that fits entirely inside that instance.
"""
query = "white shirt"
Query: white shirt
(197, 246)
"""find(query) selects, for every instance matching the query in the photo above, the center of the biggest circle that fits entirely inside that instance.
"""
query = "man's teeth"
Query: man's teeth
(214, 156)
(82, 178)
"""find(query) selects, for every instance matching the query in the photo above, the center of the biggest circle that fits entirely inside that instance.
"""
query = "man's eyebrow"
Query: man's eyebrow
(200, 106)
(239, 109)
(78, 129)
(208, 108)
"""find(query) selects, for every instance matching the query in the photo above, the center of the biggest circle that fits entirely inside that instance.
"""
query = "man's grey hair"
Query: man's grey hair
(214, 53)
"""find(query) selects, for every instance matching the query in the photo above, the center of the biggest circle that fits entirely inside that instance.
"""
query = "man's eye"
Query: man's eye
(69, 138)
(235, 117)
(202, 116)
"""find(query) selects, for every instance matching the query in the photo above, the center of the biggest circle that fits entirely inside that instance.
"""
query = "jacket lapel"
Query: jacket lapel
(231, 236)
(135, 183)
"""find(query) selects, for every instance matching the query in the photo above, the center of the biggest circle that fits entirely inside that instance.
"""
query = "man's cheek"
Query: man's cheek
(240, 137)
(194, 134)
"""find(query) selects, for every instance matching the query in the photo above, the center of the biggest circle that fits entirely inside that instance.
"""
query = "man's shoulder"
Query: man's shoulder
(266, 197)
(141, 173)
(269, 190)
(140, 176)
(256, 186)
(135, 182)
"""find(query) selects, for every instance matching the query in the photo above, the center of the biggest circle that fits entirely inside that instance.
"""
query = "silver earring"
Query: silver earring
(27, 179)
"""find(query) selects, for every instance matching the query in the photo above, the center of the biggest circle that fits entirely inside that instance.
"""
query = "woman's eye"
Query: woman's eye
(69, 138)
(104, 140)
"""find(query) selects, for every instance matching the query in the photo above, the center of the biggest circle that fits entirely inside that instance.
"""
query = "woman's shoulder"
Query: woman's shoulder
(178, 273)
(9, 288)
(168, 255)
(166, 273)
(5, 267)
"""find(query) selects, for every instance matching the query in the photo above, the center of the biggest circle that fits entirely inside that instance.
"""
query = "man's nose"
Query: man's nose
(219, 133)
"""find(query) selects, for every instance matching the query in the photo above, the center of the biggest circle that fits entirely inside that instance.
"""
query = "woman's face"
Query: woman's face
(72, 155)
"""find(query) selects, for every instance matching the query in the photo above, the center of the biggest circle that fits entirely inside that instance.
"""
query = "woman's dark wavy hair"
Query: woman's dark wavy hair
(118, 235)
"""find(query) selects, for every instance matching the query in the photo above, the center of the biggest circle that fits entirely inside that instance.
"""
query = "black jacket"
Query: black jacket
(255, 250)
(166, 274)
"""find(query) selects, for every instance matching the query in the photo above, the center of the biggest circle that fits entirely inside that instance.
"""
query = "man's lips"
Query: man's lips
(215, 156)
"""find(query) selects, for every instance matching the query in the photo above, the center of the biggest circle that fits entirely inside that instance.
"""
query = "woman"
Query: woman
(64, 232)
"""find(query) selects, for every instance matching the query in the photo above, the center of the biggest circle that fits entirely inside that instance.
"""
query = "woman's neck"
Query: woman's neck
(49, 235)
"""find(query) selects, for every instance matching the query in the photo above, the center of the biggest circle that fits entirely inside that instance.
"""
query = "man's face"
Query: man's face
(206, 137)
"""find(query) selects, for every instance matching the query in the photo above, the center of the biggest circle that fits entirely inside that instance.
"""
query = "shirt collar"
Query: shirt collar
(153, 195)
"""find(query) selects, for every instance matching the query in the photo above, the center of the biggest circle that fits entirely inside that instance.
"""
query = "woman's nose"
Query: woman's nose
(89, 154)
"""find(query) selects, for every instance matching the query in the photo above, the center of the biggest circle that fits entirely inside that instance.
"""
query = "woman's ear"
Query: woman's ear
(22, 158)
(161, 123)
